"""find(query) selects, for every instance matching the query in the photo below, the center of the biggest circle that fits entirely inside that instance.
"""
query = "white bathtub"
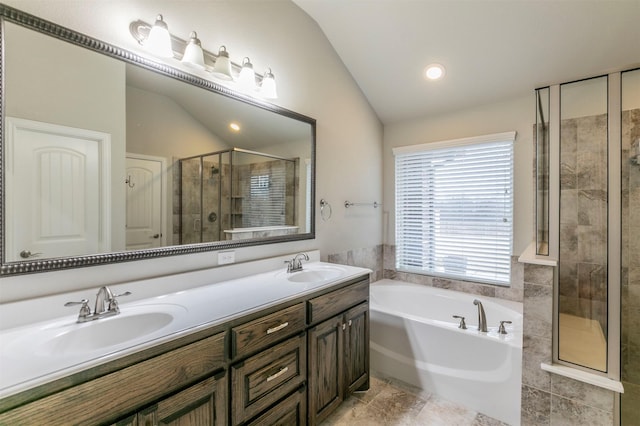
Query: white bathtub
(415, 339)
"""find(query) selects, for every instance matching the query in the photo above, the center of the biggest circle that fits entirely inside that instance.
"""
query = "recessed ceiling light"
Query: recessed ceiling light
(434, 72)
(234, 126)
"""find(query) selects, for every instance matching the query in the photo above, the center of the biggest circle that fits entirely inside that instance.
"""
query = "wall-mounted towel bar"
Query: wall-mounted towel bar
(375, 204)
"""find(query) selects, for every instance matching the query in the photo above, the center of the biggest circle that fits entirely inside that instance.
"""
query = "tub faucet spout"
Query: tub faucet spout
(482, 319)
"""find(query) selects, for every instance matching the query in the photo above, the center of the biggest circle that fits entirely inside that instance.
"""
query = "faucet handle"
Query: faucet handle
(462, 325)
(85, 310)
(501, 328)
(113, 303)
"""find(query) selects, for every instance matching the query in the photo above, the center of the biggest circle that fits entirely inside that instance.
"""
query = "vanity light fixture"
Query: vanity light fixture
(434, 71)
(247, 77)
(193, 53)
(159, 42)
(268, 86)
(159, 39)
(222, 67)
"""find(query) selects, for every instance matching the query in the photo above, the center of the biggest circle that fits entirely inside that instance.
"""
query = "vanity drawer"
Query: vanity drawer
(291, 411)
(330, 304)
(267, 330)
(267, 377)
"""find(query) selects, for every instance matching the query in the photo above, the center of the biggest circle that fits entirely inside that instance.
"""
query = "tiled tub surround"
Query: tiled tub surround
(209, 299)
(513, 292)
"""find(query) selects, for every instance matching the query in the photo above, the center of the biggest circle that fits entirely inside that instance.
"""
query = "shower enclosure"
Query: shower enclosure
(235, 194)
(595, 154)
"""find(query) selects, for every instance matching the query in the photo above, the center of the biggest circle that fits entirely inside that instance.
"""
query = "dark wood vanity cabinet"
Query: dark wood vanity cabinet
(338, 349)
(291, 364)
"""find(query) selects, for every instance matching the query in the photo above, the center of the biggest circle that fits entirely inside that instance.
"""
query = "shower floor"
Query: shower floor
(582, 342)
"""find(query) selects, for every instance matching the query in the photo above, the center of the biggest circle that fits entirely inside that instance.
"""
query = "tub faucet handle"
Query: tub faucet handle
(462, 324)
(501, 328)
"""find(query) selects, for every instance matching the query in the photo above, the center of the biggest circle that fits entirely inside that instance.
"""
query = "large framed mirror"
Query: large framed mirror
(108, 156)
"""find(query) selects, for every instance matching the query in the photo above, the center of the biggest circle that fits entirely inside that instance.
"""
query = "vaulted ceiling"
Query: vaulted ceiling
(491, 49)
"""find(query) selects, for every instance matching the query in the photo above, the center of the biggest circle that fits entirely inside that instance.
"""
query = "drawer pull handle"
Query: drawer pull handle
(277, 328)
(278, 374)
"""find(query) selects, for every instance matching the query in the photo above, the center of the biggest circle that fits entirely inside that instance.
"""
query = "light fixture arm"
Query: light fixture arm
(140, 31)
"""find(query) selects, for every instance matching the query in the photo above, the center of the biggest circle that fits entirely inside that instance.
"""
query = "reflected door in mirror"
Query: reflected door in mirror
(56, 186)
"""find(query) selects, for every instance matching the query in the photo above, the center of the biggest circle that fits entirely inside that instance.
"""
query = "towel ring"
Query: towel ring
(325, 213)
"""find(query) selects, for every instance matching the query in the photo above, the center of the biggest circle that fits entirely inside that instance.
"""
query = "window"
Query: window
(454, 208)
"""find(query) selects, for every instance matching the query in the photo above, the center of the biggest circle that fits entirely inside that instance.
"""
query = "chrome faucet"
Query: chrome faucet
(482, 319)
(295, 264)
(106, 305)
(104, 297)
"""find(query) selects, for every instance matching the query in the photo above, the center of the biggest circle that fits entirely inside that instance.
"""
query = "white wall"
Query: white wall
(311, 80)
(515, 114)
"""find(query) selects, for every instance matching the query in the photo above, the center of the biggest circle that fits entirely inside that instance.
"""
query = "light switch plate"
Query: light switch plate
(226, 257)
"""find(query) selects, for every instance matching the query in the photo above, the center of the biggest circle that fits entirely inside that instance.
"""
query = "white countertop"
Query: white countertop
(25, 362)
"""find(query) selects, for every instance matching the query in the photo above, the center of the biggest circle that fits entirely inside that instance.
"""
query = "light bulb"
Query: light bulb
(159, 40)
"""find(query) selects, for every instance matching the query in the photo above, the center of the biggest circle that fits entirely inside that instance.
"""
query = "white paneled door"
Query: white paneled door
(144, 202)
(58, 191)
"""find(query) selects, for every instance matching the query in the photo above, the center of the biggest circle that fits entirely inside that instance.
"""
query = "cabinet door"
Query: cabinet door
(356, 351)
(325, 368)
(203, 404)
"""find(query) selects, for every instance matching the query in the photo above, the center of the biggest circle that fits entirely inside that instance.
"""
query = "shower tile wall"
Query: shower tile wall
(583, 218)
(630, 274)
(549, 399)
(196, 212)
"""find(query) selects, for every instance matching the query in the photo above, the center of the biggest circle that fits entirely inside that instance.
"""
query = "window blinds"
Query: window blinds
(454, 208)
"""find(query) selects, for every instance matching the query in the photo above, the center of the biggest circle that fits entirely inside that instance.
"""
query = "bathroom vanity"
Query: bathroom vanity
(289, 360)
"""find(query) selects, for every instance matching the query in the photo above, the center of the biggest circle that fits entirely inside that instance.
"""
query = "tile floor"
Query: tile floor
(389, 402)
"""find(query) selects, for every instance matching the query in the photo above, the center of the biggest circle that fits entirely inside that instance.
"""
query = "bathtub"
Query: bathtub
(415, 339)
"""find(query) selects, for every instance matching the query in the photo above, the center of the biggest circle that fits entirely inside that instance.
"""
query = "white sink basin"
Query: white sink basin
(316, 274)
(66, 338)
(106, 332)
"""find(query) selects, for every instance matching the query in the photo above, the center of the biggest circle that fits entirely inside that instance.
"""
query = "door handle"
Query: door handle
(26, 254)
(156, 235)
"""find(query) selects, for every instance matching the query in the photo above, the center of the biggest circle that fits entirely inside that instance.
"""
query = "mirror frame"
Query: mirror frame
(9, 14)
